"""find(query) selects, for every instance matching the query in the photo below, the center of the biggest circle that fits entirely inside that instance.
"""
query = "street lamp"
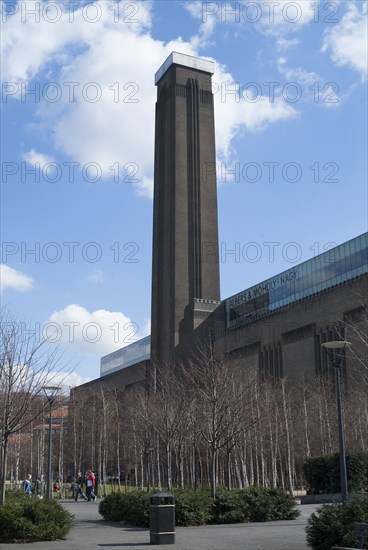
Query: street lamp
(50, 393)
(335, 345)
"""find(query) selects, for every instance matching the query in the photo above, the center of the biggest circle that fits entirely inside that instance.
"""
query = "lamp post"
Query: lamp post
(50, 392)
(335, 345)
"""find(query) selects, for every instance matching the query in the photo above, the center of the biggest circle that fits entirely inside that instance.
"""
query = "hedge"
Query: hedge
(322, 473)
(197, 508)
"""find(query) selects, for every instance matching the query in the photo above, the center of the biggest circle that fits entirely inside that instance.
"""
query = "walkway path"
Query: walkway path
(91, 532)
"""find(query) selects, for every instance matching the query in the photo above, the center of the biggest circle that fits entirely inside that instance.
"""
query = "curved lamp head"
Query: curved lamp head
(335, 344)
(50, 391)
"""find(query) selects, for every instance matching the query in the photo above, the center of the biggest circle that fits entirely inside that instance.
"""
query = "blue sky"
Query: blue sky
(78, 102)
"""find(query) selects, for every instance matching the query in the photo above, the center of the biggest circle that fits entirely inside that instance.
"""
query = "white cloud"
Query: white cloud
(207, 27)
(347, 40)
(146, 327)
(96, 276)
(144, 187)
(284, 17)
(236, 113)
(91, 332)
(31, 41)
(276, 19)
(11, 278)
(311, 85)
(35, 159)
(195, 9)
(284, 44)
(116, 132)
(301, 76)
(66, 381)
(107, 131)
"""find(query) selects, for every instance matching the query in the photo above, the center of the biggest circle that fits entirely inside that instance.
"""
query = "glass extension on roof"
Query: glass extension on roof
(125, 357)
(336, 266)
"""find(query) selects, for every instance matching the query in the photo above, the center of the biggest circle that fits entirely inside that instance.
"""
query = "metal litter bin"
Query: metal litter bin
(162, 518)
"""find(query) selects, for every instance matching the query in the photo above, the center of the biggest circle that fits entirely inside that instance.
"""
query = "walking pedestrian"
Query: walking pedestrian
(79, 490)
(27, 485)
(90, 483)
(39, 487)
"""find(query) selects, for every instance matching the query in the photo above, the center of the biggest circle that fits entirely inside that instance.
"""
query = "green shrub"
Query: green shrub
(111, 507)
(136, 509)
(131, 508)
(229, 507)
(333, 524)
(268, 504)
(322, 473)
(30, 519)
(192, 507)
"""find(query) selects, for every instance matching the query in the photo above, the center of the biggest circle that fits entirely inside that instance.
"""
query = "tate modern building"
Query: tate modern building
(276, 326)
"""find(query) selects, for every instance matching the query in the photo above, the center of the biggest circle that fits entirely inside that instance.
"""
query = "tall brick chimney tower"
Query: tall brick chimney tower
(185, 270)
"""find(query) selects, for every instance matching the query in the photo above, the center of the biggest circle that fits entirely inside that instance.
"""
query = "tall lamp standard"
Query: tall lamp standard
(331, 348)
(50, 393)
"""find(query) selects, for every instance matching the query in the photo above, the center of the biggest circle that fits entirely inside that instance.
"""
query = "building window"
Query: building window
(355, 315)
(270, 362)
(306, 331)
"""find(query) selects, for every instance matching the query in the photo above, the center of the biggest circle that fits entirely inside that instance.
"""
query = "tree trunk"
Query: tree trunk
(228, 473)
(238, 472)
(118, 441)
(289, 468)
(169, 469)
(327, 419)
(142, 470)
(158, 461)
(306, 427)
(181, 466)
(213, 472)
(4, 458)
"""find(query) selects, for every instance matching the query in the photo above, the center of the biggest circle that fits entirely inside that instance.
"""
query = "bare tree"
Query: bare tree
(354, 329)
(167, 414)
(223, 394)
(27, 364)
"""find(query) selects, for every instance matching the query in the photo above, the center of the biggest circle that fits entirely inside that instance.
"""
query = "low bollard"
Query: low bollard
(162, 518)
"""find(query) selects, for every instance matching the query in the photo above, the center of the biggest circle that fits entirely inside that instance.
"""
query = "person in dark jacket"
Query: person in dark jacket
(79, 490)
(39, 487)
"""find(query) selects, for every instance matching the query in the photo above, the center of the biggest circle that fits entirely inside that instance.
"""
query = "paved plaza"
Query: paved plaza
(90, 532)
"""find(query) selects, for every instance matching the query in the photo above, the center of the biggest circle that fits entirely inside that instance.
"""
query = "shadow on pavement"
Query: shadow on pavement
(129, 544)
